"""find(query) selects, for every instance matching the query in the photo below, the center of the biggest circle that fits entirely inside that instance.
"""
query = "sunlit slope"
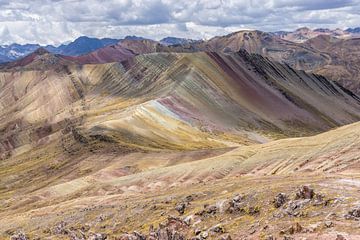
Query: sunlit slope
(336, 151)
(171, 101)
(222, 92)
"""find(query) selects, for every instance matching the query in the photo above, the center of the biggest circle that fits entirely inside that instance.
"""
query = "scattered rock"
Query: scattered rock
(328, 224)
(340, 237)
(294, 207)
(253, 210)
(197, 231)
(236, 207)
(204, 235)
(353, 213)
(313, 227)
(175, 223)
(139, 236)
(101, 218)
(98, 236)
(171, 230)
(126, 237)
(280, 200)
(60, 228)
(85, 228)
(190, 197)
(217, 229)
(19, 236)
(208, 209)
(225, 237)
(187, 220)
(223, 205)
(297, 228)
(211, 209)
(237, 198)
(319, 200)
(305, 192)
(168, 200)
(134, 236)
(180, 208)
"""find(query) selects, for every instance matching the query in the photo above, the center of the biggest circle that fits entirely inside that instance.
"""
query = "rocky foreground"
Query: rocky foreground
(236, 208)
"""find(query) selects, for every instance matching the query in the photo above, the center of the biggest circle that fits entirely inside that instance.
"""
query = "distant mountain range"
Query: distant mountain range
(85, 45)
(304, 34)
(15, 51)
(81, 46)
(168, 41)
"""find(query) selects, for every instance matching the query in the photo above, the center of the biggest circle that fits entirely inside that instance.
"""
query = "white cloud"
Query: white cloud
(56, 21)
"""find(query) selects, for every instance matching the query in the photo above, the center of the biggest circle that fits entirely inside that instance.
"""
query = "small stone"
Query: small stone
(328, 224)
(217, 229)
(293, 207)
(297, 228)
(189, 198)
(204, 235)
(127, 237)
(305, 192)
(180, 208)
(187, 220)
(237, 198)
(280, 200)
(101, 218)
(340, 237)
(224, 206)
(355, 212)
(98, 236)
(253, 210)
(211, 209)
(197, 231)
(60, 228)
(138, 235)
(168, 200)
(313, 227)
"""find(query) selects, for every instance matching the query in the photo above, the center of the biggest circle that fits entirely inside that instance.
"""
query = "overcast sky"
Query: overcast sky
(57, 21)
